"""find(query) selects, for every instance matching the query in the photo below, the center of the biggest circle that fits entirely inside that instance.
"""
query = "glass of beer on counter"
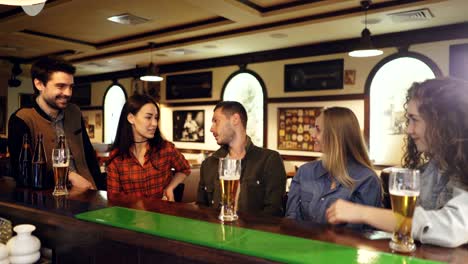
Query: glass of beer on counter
(229, 177)
(60, 163)
(404, 187)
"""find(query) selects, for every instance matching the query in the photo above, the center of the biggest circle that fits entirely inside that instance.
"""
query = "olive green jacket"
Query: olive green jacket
(262, 182)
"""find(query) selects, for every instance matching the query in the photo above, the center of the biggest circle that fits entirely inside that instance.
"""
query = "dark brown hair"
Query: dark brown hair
(443, 105)
(232, 107)
(44, 67)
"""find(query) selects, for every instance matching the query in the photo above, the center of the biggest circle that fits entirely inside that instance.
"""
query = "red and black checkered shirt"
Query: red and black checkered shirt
(127, 175)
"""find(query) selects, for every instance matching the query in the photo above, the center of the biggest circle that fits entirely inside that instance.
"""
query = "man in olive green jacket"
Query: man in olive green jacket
(263, 178)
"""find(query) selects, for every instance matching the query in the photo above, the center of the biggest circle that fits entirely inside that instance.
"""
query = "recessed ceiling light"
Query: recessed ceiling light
(127, 19)
(372, 21)
(278, 35)
(95, 64)
(112, 61)
(181, 51)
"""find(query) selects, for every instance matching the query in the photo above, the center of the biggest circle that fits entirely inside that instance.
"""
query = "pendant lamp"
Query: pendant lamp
(30, 7)
(365, 48)
(152, 72)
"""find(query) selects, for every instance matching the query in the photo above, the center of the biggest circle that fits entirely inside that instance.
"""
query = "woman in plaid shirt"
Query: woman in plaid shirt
(141, 161)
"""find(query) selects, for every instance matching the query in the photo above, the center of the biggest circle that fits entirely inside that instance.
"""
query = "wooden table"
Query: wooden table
(77, 241)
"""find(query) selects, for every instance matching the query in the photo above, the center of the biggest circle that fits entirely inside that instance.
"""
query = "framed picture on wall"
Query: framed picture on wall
(188, 86)
(148, 88)
(295, 128)
(189, 126)
(93, 119)
(313, 76)
(459, 61)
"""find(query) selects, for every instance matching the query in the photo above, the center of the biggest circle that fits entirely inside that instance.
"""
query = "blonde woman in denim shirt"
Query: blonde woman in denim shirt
(343, 172)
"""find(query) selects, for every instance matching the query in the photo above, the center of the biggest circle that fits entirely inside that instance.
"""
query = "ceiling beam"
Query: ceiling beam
(231, 9)
(407, 38)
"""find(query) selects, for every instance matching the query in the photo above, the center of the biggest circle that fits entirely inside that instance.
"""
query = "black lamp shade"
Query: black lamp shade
(152, 74)
(365, 48)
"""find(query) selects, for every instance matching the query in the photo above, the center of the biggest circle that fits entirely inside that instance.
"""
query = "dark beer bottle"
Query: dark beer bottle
(25, 158)
(39, 166)
(61, 142)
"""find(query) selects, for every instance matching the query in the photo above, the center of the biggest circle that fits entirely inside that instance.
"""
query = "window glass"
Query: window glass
(113, 103)
(387, 115)
(246, 89)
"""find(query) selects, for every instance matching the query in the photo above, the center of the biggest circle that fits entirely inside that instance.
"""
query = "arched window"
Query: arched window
(247, 88)
(114, 99)
(389, 82)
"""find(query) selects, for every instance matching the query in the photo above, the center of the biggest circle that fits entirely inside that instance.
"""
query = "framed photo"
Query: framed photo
(189, 126)
(313, 76)
(3, 114)
(188, 86)
(458, 61)
(295, 128)
(93, 122)
(148, 88)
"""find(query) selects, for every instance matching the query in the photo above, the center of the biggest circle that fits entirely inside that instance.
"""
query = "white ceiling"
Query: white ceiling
(206, 28)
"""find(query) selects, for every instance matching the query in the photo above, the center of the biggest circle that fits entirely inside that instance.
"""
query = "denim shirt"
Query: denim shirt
(442, 215)
(310, 194)
(436, 190)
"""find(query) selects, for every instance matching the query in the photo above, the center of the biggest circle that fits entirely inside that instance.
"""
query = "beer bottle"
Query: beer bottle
(24, 174)
(61, 142)
(39, 166)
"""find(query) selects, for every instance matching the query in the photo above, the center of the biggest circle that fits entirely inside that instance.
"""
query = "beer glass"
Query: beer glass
(60, 163)
(229, 177)
(404, 190)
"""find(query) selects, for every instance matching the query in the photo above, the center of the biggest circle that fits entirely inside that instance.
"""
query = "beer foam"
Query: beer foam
(404, 193)
(230, 176)
(60, 165)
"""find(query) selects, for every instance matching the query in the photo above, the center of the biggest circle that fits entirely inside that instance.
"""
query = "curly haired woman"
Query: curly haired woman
(437, 144)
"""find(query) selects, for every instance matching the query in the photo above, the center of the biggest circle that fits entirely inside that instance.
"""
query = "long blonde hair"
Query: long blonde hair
(342, 140)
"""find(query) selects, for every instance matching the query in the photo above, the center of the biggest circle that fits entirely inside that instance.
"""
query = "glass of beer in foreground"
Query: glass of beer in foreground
(404, 187)
(60, 163)
(229, 177)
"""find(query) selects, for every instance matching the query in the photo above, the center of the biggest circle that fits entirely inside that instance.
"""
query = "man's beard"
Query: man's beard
(54, 105)
(228, 137)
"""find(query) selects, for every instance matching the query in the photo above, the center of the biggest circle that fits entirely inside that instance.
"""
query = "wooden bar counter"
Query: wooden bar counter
(77, 241)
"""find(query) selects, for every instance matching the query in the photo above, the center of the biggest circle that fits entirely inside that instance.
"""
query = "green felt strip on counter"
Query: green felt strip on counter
(250, 242)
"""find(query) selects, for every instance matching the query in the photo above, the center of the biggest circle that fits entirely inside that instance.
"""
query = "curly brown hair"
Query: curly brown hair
(443, 105)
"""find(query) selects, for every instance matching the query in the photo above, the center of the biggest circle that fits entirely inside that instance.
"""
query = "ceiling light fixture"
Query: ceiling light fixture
(30, 7)
(127, 19)
(365, 48)
(21, 2)
(152, 73)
